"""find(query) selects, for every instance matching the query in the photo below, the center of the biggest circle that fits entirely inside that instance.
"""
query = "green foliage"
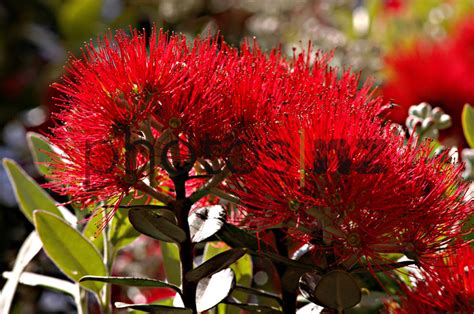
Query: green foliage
(131, 281)
(243, 270)
(468, 124)
(74, 255)
(238, 238)
(29, 194)
(79, 19)
(90, 233)
(171, 262)
(122, 232)
(159, 224)
(215, 264)
(41, 151)
(336, 289)
(153, 308)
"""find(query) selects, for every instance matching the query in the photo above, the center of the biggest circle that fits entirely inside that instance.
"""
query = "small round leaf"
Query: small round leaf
(336, 290)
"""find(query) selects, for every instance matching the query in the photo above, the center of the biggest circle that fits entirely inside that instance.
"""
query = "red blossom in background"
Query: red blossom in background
(393, 5)
(438, 73)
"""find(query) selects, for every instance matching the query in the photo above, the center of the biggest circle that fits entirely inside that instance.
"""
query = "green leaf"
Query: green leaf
(171, 262)
(153, 308)
(238, 238)
(72, 253)
(382, 267)
(122, 232)
(131, 281)
(156, 224)
(372, 303)
(90, 232)
(253, 308)
(243, 270)
(33, 280)
(468, 124)
(336, 290)
(41, 150)
(258, 292)
(212, 290)
(215, 264)
(212, 249)
(29, 194)
(279, 259)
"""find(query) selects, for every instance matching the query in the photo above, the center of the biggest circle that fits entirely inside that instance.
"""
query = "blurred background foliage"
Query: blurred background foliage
(37, 36)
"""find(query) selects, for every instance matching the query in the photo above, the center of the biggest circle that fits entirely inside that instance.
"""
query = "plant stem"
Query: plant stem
(181, 207)
(288, 297)
(212, 183)
(82, 301)
(107, 292)
(162, 197)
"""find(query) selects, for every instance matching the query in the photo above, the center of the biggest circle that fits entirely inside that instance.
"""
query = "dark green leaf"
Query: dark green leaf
(153, 308)
(468, 124)
(254, 308)
(371, 303)
(72, 253)
(258, 292)
(382, 267)
(215, 264)
(279, 259)
(206, 221)
(295, 269)
(156, 224)
(131, 281)
(41, 150)
(336, 290)
(212, 290)
(29, 194)
(238, 238)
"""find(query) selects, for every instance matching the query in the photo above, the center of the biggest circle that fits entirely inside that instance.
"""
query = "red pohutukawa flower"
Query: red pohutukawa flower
(121, 97)
(345, 181)
(433, 72)
(446, 287)
(135, 107)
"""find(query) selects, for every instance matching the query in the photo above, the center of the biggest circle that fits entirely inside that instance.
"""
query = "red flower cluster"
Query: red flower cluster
(438, 73)
(307, 149)
(127, 100)
(447, 287)
(339, 178)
